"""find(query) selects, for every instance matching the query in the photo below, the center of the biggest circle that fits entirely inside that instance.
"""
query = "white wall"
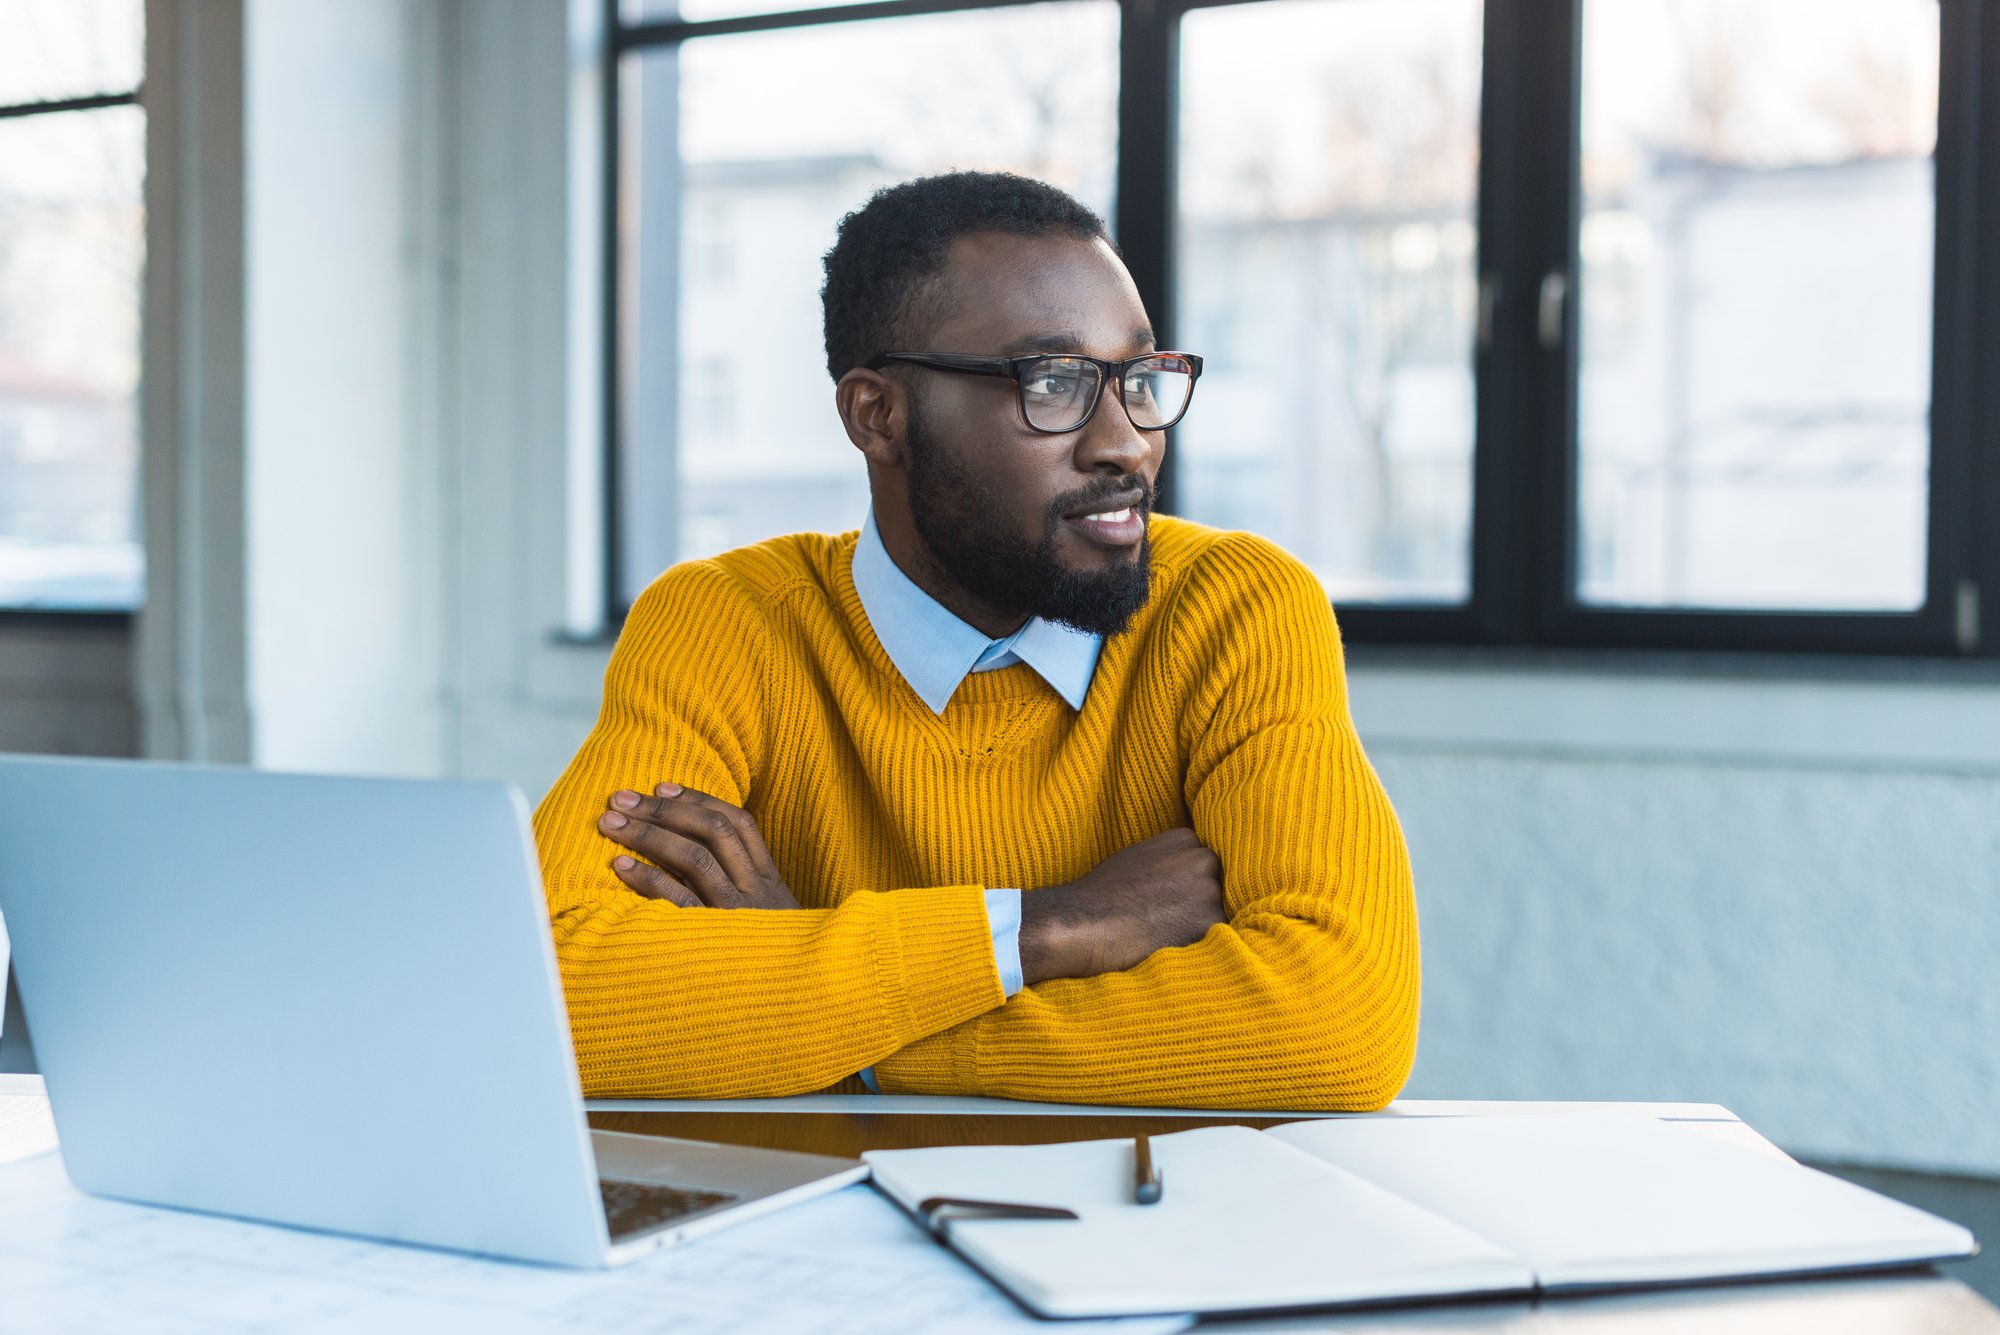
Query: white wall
(343, 470)
(293, 470)
(1778, 893)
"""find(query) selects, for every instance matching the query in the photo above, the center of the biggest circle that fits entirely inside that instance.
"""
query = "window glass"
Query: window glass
(731, 198)
(70, 252)
(52, 49)
(1328, 179)
(1756, 261)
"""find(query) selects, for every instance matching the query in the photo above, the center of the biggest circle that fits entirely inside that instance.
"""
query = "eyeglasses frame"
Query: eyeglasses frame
(1014, 368)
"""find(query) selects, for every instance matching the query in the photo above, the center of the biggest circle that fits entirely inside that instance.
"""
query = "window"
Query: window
(71, 243)
(1329, 172)
(1758, 217)
(1647, 323)
(729, 198)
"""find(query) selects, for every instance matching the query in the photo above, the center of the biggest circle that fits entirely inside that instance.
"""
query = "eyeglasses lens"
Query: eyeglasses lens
(1156, 391)
(1058, 393)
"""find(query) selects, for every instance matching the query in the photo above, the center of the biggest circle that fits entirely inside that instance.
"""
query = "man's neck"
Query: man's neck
(907, 549)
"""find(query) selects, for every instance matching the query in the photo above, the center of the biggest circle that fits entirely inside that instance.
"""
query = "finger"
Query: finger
(716, 824)
(653, 883)
(747, 830)
(693, 863)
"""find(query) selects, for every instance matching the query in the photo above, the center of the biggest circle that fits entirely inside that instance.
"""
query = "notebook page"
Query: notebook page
(1245, 1222)
(1608, 1200)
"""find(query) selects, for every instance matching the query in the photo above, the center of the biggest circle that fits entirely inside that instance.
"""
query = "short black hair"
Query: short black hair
(889, 251)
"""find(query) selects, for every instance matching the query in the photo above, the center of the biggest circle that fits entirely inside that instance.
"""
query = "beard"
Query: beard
(953, 510)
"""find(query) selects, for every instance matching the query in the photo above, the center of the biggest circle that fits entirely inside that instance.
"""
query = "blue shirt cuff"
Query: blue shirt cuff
(1003, 916)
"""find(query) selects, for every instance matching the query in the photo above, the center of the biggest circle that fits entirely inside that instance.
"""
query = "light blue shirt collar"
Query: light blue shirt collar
(935, 651)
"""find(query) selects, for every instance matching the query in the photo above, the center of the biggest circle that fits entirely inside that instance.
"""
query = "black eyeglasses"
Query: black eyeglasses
(1060, 392)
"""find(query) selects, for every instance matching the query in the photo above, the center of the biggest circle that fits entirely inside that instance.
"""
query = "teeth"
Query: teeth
(1112, 516)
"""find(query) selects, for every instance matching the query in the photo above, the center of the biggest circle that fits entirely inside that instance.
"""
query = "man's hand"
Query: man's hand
(697, 850)
(1164, 891)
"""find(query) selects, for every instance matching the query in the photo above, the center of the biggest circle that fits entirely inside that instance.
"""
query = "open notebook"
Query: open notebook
(1386, 1209)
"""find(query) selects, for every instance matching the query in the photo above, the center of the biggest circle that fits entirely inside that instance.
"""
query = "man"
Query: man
(1021, 790)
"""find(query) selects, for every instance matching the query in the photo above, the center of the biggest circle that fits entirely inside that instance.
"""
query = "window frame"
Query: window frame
(1525, 530)
(20, 616)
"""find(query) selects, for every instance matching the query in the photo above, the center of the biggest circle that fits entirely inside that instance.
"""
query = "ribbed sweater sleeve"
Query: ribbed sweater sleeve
(667, 1001)
(1307, 997)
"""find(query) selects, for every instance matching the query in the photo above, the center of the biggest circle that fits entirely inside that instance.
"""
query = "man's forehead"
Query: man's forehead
(1005, 294)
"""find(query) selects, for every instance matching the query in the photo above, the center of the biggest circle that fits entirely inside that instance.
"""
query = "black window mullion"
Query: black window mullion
(1978, 28)
(615, 372)
(1756, 630)
(94, 102)
(668, 32)
(1545, 281)
(1144, 198)
(1524, 221)
(1951, 575)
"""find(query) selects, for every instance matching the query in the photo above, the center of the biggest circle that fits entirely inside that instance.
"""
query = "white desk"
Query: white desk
(847, 1264)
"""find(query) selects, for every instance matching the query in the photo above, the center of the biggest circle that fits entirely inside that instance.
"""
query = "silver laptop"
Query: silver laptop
(331, 1003)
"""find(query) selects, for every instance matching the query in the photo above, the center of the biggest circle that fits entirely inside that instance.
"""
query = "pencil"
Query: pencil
(1148, 1183)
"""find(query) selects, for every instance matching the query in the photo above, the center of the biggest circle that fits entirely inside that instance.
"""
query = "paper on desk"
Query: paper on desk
(26, 1129)
(844, 1264)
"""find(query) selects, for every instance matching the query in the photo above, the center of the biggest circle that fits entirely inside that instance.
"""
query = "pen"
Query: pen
(1148, 1183)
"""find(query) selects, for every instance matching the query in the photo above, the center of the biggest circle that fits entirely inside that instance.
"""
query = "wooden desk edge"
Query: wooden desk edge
(949, 1106)
(848, 1125)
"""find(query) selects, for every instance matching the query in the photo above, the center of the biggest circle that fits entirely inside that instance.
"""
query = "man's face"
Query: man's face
(1001, 507)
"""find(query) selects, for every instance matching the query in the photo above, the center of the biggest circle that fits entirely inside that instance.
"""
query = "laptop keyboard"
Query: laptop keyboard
(641, 1207)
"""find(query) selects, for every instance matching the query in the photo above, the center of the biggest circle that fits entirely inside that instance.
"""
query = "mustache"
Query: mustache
(1092, 495)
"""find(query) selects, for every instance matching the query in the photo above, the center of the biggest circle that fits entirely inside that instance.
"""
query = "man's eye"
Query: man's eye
(1051, 384)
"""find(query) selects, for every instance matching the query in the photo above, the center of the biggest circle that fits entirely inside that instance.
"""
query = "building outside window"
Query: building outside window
(72, 149)
(1329, 178)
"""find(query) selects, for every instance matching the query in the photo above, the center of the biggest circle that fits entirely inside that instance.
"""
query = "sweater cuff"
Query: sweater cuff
(943, 948)
(944, 1063)
(1003, 921)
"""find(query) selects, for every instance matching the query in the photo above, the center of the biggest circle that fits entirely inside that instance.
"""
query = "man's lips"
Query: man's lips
(1112, 523)
(1132, 500)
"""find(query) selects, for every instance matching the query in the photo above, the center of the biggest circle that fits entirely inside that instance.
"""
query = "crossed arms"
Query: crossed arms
(1264, 958)
(696, 850)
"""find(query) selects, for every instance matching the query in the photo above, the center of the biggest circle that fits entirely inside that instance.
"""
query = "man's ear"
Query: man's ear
(874, 409)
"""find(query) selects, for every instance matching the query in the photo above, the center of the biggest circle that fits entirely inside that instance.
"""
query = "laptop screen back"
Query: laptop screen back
(322, 1001)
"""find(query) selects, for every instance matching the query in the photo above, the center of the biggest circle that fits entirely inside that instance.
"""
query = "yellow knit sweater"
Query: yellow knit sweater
(754, 676)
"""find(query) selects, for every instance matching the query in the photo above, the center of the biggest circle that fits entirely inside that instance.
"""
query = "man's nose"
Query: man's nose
(1109, 439)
